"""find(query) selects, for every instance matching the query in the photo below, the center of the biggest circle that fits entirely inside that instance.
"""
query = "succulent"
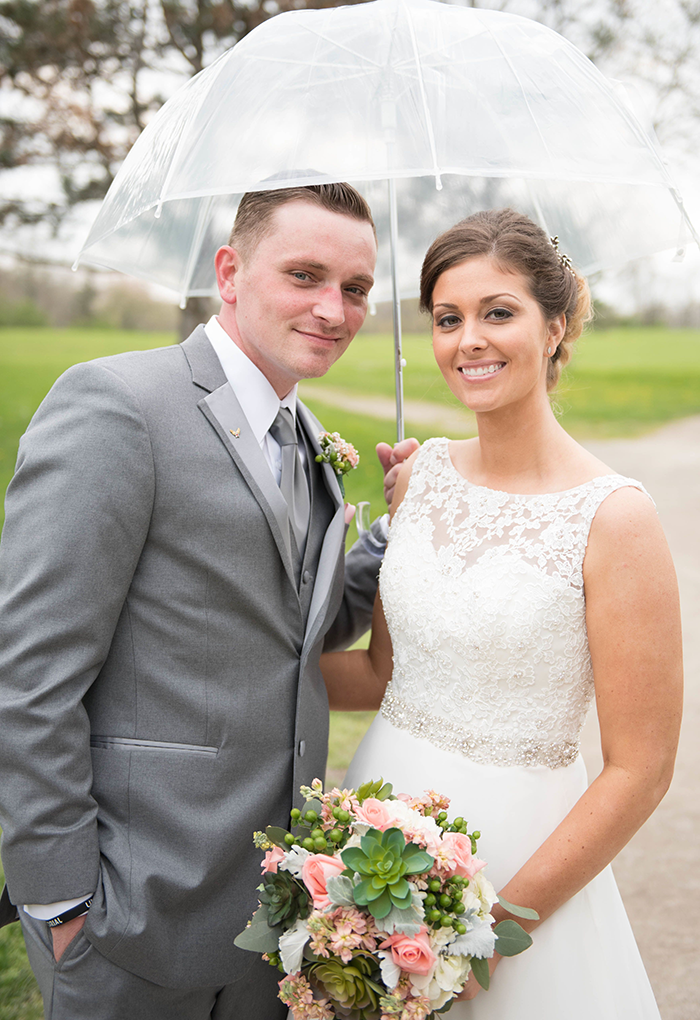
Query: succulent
(383, 860)
(350, 985)
(284, 897)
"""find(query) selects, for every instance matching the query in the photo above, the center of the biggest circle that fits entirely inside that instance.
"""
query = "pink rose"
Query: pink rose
(414, 954)
(460, 852)
(376, 813)
(315, 872)
(272, 859)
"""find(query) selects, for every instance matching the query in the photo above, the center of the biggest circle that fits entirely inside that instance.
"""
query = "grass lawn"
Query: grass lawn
(622, 382)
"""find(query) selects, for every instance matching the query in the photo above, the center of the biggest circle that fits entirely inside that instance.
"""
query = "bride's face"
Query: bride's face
(490, 337)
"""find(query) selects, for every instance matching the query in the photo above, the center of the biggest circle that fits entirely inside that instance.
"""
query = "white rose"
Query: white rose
(451, 972)
(481, 886)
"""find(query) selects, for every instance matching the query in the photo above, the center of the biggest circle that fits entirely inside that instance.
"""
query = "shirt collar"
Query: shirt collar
(254, 393)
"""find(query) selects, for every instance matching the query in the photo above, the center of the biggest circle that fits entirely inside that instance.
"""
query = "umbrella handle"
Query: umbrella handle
(396, 300)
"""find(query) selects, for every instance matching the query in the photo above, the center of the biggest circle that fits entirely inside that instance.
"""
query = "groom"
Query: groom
(170, 570)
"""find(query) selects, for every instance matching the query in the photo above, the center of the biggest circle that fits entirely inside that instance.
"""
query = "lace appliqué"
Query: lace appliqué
(483, 595)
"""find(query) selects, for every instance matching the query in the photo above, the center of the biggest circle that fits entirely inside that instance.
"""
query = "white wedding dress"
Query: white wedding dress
(483, 594)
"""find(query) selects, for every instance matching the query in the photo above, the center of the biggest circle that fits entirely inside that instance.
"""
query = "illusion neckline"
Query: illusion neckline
(519, 495)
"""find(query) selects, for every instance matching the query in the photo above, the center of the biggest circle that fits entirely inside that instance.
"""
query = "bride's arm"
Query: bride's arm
(633, 622)
(356, 680)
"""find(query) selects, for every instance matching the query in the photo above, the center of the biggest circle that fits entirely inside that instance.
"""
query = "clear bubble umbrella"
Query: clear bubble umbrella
(433, 111)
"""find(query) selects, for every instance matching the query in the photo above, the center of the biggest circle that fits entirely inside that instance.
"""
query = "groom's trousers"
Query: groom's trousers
(84, 985)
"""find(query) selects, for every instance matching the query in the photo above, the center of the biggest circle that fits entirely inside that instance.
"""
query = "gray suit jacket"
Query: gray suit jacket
(160, 693)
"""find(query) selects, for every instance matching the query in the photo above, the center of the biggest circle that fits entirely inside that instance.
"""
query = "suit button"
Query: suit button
(302, 748)
(306, 577)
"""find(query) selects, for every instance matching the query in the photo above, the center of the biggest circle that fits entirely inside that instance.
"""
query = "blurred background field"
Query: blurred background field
(623, 382)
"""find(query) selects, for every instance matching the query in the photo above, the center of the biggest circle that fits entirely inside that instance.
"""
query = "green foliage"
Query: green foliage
(512, 939)
(19, 995)
(480, 969)
(527, 912)
(259, 936)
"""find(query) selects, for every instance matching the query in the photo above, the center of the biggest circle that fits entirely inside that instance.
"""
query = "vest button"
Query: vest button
(302, 748)
(306, 577)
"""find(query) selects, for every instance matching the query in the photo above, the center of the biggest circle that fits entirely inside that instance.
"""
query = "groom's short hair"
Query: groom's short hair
(256, 209)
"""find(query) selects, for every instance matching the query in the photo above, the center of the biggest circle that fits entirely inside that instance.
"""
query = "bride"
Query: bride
(523, 577)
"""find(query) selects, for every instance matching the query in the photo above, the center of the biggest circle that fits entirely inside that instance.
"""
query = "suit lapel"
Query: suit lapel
(223, 411)
(333, 539)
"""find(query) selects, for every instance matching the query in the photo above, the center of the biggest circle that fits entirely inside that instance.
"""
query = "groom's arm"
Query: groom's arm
(77, 516)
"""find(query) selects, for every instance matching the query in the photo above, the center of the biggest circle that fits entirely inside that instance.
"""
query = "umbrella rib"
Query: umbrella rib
(522, 89)
(338, 45)
(424, 99)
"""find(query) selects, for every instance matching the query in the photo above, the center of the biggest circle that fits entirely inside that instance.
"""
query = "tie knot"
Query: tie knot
(282, 429)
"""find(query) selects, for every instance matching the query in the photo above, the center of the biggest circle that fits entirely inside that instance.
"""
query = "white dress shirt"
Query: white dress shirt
(254, 393)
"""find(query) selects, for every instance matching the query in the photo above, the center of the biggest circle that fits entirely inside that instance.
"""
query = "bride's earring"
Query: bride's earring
(549, 350)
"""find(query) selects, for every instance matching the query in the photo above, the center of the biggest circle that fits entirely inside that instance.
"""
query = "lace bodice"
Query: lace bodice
(483, 595)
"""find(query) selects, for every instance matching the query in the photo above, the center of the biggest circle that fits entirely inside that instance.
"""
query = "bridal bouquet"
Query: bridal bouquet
(375, 907)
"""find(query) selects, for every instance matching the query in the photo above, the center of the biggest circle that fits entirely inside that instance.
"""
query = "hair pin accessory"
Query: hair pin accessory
(564, 259)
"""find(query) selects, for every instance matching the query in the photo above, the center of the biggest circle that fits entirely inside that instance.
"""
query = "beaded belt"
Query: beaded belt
(482, 750)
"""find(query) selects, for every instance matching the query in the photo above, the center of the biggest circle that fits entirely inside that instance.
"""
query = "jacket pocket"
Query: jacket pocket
(130, 743)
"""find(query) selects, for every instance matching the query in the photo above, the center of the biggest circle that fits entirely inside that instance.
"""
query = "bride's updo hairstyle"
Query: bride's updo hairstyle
(517, 245)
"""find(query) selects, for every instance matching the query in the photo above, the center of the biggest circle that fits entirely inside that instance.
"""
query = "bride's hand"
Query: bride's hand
(392, 459)
(472, 987)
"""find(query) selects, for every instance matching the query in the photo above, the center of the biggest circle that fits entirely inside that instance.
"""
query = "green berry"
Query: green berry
(460, 928)
(445, 901)
(335, 835)
(308, 844)
(320, 843)
(433, 916)
(435, 885)
(310, 816)
(442, 817)
(458, 822)
(430, 900)
(316, 833)
(445, 921)
(344, 816)
(289, 838)
(295, 814)
(476, 835)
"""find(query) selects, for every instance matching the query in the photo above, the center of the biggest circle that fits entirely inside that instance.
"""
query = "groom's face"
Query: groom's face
(295, 301)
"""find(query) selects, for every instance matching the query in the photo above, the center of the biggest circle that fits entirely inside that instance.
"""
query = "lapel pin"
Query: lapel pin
(235, 433)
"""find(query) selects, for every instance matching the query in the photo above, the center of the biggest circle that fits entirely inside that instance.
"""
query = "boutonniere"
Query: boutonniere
(341, 456)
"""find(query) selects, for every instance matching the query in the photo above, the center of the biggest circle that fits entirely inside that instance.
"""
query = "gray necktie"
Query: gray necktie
(293, 483)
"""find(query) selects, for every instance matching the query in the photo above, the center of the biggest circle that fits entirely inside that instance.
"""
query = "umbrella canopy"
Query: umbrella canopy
(497, 108)
(459, 108)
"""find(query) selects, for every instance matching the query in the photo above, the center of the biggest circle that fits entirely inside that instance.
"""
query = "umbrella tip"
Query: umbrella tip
(438, 182)
(75, 265)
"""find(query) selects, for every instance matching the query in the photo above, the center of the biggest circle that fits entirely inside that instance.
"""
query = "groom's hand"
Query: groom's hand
(64, 934)
(391, 459)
